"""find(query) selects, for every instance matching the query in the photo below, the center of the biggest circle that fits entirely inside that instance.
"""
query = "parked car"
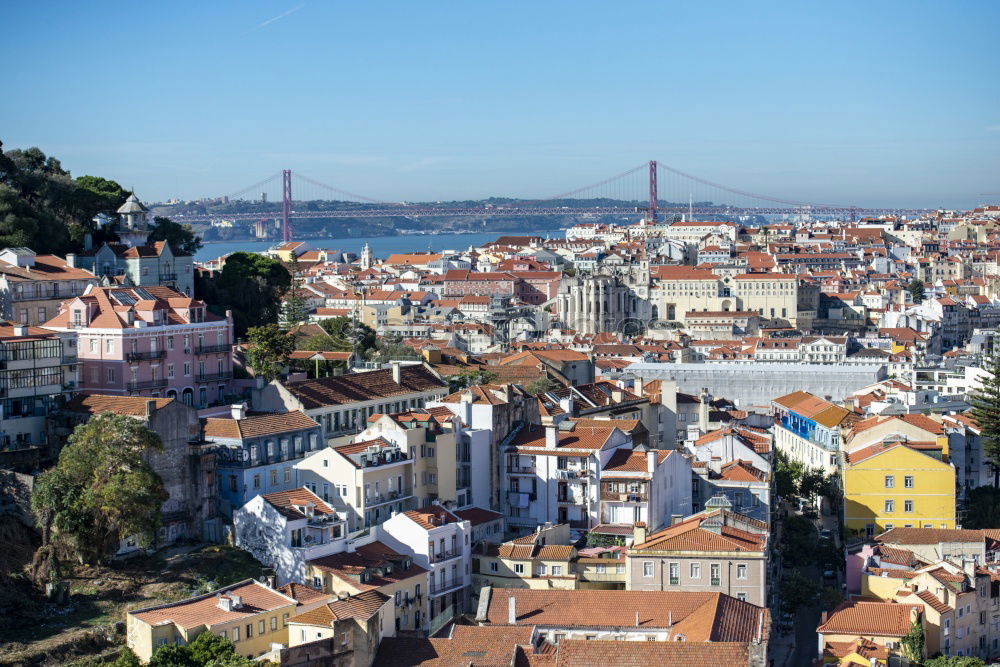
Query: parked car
(826, 534)
(829, 574)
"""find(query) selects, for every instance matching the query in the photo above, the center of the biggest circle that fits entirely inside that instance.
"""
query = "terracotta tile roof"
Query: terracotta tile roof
(361, 606)
(303, 594)
(477, 515)
(629, 460)
(583, 438)
(256, 425)
(813, 407)
(929, 535)
(468, 645)
(286, 502)
(933, 602)
(357, 387)
(896, 556)
(133, 406)
(688, 535)
(864, 647)
(204, 610)
(374, 558)
(699, 616)
(862, 617)
(584, 653)
(742, 471)
(432, 516)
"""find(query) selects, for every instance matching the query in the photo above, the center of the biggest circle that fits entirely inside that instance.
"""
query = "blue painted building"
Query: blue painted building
(256, 453)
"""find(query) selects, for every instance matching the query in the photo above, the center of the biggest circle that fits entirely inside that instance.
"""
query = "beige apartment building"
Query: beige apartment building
(250, 614)
(368, 480)
(715, 551)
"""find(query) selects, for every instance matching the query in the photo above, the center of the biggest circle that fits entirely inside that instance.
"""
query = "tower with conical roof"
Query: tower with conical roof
(366, 257)
(134, 227)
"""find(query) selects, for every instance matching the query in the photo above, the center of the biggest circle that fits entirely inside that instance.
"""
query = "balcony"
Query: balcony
(145, 356)
(215, 377)
(388, 497)
(69, 360)
(623, 497)
(521, 470)
(165, 277)
(439, 587)
(442, 556)
(213, 349)
(148, 384)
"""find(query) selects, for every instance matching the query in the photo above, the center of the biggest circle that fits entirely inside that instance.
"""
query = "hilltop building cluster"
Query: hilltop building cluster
(574, 459)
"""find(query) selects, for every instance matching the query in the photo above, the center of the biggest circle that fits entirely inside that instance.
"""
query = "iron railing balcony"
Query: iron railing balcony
(147, 384)
(168, 276)
(215, 377)
(440, 588)
(213, 349)
(145, 356)
(441, 556)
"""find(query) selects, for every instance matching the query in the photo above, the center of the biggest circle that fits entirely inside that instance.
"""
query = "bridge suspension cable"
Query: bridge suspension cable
(345, 193)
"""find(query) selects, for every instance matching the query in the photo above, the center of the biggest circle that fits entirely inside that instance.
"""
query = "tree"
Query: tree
(267, 350)
(471, 376)
(180, 238)
(127, 658)
(209, 646)
(797, 591)
(787, 476)
(346, 333)
(250, 285)
(294, 309)
(953, 661)
(982, 508)
(103, 488)
(541, 385)
(912, 643)
(172, 655)
(986, 413)
(812, 484)
(916, 290)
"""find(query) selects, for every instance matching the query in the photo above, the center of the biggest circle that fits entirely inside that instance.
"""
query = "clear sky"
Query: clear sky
(892, 103)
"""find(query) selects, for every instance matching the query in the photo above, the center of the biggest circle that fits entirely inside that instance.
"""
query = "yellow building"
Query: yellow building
(254, 616)
(543, 559)
(892, 483)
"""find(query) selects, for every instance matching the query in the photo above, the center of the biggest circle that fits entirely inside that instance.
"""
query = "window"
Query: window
(557, 570)
(274, 623)
(675, 577)
(741, 596)
(601, 569)
(284, 620)
(647, 568)
(274, 478)
(288, 475)
(907, 505)
(890, 481)
(232, 482)
(170, 370)
(518, 568)
(890, 506)
(741, 571)
(223, 634)
(109, 345)
(908, 481)
(249, 630)
(256, 481)
(236, 634)
(187, 369)
(716, 574)
(260, 627)
(111, 376)
(695, 571)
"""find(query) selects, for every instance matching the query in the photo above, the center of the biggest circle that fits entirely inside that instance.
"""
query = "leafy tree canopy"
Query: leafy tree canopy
(953, 661)
(250, 285)
(916, 290)
(541, 385)
(267, 350)
(982, 508)
(913, 642)
(180, 238)
(102, 489)
(986, 413)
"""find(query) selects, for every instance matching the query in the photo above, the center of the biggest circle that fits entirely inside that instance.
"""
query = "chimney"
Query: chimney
(676, 519)
(71, 260)
(566, 405)
(822, 618)
(551, 437)
(651, 461)
(637, 386)
(397, 376)
(638, 533)
(150, 408)
(21, 330)
(617, 395)
(238, 410)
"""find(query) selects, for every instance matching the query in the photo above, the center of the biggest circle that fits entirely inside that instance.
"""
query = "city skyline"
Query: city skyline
(891, 105)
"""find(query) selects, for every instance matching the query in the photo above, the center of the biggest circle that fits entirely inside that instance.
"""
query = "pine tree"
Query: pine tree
(986, 413)
(294, 307)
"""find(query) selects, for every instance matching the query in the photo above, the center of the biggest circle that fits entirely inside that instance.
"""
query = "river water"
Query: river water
(382, 246)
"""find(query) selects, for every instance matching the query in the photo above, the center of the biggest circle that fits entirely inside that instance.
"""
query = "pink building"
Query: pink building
(150, 341)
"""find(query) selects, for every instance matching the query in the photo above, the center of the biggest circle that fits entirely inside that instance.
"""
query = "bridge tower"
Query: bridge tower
(653, 196)
(286, 204)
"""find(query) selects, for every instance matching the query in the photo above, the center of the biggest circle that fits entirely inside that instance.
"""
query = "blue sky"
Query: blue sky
(889, 103)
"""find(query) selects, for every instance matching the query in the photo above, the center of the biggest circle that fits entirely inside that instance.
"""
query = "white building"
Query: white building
(284, 530)
(441, 542)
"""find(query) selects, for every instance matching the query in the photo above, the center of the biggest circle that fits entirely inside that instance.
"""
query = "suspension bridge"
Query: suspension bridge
(649, 189)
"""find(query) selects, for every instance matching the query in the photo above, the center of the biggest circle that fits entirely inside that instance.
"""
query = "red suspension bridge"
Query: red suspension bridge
(650, 189)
